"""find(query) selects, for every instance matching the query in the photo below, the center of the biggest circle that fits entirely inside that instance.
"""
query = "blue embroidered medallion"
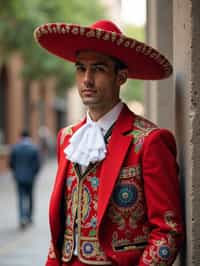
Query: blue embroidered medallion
(125, 195)
(88, 248)
(68, 247)
(94, 182)
(164, 252)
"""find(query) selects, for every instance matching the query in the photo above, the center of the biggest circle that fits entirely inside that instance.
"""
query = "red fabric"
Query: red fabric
(74, 262)
(155, 153)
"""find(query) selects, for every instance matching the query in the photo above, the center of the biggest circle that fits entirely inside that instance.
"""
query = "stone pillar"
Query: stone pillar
(74, 106)
(14, 98)
(187, 79)
(49, 99)
(34, 118)
(159, 95)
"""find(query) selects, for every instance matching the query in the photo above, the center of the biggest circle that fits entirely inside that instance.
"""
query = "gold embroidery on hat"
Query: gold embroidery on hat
(127, 43)
(43, 30)
(58, 28)
(120, 41)
(54, 29)
(38, 33)
(153, 55)
(49, 28)
(90, 34)
(67, 28)
(138, 48)
(82, 31)
(133, 44)
(63, 29)
(162, 61)
(166, 65)
(167, 71)
(113, 36)
(143, 49)
(98, 33)
(157, 57)
(148, 51)
(106, 36)
(75, 30)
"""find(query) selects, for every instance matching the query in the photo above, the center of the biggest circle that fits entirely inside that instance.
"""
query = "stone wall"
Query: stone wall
(181, 110)
(187, 87)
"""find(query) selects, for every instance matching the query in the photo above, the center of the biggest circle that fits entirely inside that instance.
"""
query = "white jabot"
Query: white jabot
(87, 144)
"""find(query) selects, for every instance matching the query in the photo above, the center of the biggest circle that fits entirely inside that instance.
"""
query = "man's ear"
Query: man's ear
(122, 76)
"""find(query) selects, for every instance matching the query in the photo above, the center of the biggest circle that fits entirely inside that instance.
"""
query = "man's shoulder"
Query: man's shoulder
(145, 131)
(143, 124)
(65, 132)
(68, 131)
(141, 129)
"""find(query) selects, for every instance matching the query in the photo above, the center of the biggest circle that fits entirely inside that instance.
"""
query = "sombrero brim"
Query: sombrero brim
(64, 40)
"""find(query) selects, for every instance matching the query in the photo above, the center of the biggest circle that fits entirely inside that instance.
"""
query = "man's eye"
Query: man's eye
(99, 68)
(80, 68)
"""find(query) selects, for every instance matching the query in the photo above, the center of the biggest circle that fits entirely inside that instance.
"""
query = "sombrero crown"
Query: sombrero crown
(64, 40)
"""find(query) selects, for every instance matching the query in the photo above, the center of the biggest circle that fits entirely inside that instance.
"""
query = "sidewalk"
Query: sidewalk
(28, 247)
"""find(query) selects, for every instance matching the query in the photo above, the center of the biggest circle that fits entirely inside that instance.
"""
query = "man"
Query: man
(116, 198)
(25, 163)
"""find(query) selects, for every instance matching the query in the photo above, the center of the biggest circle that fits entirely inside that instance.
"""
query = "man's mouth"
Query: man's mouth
(88, 91)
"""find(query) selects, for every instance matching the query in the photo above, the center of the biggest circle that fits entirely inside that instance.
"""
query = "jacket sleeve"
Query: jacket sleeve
(161, 187)
(58, 144)
(52, 259)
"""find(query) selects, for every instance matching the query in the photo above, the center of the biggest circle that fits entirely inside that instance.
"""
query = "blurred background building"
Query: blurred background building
(35, 87)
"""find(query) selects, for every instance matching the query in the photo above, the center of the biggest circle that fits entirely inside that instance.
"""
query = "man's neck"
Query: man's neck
(96, 114)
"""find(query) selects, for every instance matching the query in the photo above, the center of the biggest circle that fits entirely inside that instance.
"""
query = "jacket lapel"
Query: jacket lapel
(116, 153)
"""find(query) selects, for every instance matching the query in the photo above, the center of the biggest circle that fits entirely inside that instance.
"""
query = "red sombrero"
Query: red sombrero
(64, 40)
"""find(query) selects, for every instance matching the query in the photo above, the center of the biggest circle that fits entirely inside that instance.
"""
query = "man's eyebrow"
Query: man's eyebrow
(78, 63)
(100, 63)
(93, 64)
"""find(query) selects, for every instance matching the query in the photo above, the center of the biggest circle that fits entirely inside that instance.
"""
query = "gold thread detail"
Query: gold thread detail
(99, 33)
(75, 30)
(106, 36)
(133, 44)
(126, 44)
(90, 34)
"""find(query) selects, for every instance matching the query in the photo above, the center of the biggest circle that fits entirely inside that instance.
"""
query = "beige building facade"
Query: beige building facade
(25, 105)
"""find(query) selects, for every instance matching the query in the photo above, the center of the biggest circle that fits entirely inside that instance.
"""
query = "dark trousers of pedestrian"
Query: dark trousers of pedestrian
(25, 203)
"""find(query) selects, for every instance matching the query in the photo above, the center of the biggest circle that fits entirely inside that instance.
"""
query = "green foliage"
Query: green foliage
(19, 18)
(133, 89)
(135, 32)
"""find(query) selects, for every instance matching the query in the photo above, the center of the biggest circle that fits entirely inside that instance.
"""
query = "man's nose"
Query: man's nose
(88, 78)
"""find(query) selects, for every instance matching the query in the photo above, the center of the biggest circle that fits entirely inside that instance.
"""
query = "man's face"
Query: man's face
(97, 80)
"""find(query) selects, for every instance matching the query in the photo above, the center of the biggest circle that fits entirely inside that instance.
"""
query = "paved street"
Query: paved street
(28, 247)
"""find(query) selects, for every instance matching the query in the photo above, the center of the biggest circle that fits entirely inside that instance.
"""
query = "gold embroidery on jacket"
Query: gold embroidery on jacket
(82, 203)
(142, 128)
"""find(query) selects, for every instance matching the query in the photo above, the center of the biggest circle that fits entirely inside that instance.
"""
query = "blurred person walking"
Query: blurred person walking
(25, 164)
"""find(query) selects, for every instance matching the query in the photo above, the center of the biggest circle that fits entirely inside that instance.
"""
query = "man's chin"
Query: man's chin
(89, 103)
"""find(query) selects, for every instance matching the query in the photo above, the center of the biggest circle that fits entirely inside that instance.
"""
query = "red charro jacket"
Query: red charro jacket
(135, 143)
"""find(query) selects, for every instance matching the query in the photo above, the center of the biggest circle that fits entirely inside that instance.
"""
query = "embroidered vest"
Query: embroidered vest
(81, 202)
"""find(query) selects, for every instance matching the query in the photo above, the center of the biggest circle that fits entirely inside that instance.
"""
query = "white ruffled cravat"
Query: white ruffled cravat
(86, 145)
